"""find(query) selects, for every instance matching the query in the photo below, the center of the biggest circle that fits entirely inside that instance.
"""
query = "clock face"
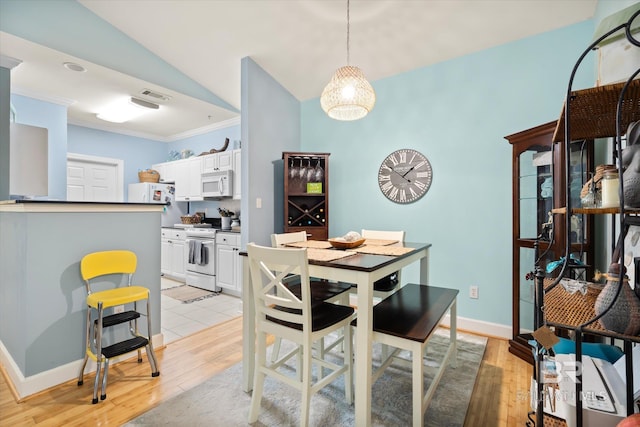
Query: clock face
(405, 176)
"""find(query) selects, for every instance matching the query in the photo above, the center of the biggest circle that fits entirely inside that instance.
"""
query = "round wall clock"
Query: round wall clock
(405, 176)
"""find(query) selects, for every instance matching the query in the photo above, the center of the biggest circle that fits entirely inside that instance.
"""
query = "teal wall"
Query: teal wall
(457, 114)
(270, 122)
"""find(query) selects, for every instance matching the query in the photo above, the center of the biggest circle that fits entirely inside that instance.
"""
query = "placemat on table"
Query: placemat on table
(383, 250)
(327, 254)
(317, 244)
(379, 242)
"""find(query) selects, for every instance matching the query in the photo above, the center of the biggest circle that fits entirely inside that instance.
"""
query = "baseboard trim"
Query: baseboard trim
(26, 386)
(480, 327)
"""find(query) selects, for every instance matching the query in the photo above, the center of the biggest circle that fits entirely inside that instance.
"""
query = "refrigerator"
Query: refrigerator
(151, 192)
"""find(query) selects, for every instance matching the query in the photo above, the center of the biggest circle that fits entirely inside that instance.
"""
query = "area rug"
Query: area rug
(188, 294)
(220, 401)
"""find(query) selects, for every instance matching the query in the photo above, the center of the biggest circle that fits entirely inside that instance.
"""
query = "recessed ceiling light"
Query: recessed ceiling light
(74, 67)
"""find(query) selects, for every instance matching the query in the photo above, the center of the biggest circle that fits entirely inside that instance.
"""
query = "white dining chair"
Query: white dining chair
(321, 290)
(284, 315)
(389, 284)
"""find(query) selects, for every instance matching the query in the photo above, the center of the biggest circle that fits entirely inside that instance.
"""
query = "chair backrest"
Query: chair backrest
(107, 262)
(282, 239)
(268, 267)
(385, 235)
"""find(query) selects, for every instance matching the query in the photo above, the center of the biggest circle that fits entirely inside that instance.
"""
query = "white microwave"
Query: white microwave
(217, 184)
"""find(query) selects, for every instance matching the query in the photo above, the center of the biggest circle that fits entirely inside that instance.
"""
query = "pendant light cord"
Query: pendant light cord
(348, 63)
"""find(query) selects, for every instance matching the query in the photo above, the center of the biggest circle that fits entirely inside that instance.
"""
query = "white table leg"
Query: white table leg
(453, 334)
(424, 269)
(364, 333)
(248, 328)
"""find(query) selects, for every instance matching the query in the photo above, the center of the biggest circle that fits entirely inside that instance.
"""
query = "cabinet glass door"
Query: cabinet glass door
(536, 191)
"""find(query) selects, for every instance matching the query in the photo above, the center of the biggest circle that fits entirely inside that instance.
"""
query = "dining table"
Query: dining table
(362, 266)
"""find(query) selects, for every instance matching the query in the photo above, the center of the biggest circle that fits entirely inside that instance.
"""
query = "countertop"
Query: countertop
(63, 206)
(218, 229)
(67, 202)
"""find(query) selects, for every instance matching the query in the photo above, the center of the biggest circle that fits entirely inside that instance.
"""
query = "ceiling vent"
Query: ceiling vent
(157, 95)
(143, 103)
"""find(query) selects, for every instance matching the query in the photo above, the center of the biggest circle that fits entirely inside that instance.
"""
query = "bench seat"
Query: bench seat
(406, 320)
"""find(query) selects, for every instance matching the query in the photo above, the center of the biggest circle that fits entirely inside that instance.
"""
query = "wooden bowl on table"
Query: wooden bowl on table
(343, 244)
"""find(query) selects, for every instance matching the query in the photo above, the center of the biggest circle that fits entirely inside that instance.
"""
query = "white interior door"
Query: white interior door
(94, 179)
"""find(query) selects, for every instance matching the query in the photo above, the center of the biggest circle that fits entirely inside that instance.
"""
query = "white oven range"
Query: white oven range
(200, 262)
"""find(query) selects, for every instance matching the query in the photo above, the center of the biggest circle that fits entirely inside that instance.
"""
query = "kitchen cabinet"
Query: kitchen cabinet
(172, 253)
(228, 263)
(536, 162)
(167, 171)
(188, 179)
(222, 161)
(237, 174)
(187, 173)
(306, 208)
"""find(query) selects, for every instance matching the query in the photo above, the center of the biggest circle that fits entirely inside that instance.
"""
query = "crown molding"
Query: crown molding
(9, 62)
(59, 100)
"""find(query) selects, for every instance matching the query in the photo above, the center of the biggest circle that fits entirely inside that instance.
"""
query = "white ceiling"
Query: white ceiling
(299, 42)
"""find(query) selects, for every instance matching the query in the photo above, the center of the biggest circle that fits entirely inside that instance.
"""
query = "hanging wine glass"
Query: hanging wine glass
(306, 173)
(300, 184)
(293, 171)
(318, 173)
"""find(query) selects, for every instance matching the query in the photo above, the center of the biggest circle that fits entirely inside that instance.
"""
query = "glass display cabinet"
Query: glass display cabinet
(537, 231)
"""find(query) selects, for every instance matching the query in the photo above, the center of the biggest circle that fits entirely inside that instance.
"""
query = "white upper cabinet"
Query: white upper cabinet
(167, 171)
(187, 173)
(188, 178)
(222, 161)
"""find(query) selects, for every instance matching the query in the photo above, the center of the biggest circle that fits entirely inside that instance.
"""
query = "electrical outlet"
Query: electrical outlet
(118, 309)
(473, 292)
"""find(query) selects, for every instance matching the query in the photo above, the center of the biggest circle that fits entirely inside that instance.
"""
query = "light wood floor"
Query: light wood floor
(499, 398)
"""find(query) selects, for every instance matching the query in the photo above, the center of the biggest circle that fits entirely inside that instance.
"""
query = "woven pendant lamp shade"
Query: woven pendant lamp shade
(348, 96)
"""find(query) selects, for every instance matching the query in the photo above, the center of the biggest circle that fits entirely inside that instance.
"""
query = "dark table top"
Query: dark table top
(367, 262)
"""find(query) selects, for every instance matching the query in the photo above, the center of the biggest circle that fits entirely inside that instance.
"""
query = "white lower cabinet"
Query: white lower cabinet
(172, 253)
(228, 265)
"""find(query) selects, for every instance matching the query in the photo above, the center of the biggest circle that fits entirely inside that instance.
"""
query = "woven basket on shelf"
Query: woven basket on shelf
(571, 309)
(149, 175)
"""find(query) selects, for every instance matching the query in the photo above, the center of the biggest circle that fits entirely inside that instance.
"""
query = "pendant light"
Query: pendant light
(348, 96)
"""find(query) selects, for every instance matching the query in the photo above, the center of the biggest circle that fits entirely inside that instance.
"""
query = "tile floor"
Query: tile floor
(180, 320)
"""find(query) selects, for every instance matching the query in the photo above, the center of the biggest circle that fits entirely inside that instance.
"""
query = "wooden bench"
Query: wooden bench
(406, 320)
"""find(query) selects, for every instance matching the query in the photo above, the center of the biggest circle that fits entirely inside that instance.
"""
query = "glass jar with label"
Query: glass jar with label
(610, 196)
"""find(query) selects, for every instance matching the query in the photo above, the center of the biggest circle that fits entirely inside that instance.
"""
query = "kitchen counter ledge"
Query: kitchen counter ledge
(67, 206)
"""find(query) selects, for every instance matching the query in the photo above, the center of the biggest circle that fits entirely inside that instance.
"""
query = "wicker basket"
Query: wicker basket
(190, 219)
(572, 310)
(149, 175)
